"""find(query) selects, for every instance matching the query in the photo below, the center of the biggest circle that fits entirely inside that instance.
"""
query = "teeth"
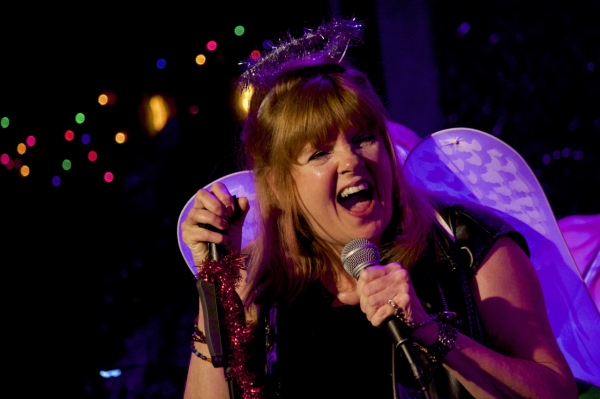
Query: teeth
(351, 190)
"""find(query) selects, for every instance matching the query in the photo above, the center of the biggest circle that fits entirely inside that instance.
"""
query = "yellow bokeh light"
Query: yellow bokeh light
(21, 148)
(200, 59)
(102, 99)
(24, 170)
(120, 137)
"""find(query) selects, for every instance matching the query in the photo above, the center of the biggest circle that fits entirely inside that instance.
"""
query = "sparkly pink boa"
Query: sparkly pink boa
(225, 274)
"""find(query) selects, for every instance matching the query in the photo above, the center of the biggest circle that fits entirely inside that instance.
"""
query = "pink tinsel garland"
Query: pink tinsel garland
(225, 274)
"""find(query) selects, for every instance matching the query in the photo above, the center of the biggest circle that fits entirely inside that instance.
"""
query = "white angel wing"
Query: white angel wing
(240, 184)
(475, 166)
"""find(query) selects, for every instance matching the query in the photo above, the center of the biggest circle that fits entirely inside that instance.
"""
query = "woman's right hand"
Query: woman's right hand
(214, 207)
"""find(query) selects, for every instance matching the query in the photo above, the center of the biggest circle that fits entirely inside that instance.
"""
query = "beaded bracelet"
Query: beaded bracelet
(198, 336)
(445, 342)
(411, 324)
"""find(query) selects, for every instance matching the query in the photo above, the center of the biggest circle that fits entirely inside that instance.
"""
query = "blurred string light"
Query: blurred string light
(56, 181)
(102, 99)
(194, 109)
(255, 55)
(66, 164)
(4, 158)
(156, 112)
(80, 118)
(200, 59)
(30, 141)
(92, 156)
(21, 148)
(161, 63)
(107, 98)
(120, 138)
(108, 177)
(211, 45)
(239, 30)
(24, 170)
(85, 139)
(110, 373)
(69, 135)
(463, 29)
(4, 122)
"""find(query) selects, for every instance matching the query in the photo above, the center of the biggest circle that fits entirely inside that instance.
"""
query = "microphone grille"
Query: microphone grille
(359, 254)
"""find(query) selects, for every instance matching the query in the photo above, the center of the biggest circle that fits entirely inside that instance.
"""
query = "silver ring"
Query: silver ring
(391, 302)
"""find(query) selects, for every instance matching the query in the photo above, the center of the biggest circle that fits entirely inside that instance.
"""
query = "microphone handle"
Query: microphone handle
(399, 333)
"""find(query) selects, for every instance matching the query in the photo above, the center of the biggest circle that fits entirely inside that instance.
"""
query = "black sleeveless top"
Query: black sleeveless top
(314, 350)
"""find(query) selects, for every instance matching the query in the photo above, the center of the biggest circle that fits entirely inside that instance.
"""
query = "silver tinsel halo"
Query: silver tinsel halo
(330, 40)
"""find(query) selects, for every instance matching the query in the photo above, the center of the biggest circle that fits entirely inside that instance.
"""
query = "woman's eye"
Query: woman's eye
(318, 155)
(364, 139)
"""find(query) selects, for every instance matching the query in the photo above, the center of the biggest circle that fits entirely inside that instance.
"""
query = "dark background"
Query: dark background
(93, 277)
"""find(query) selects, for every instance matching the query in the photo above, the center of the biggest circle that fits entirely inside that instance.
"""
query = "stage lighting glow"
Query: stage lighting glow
(24, 171)
(4, 122)
(161, 63)
(239, 30)
(120, 138)
(200, 59)
(66, 164)
(85, 139)
(108, 177)
(159, 113)
(193, 109)
(56, 181)
(69, 135)
(211, 45)
(242, 101)
(92, 156)
(21, 148)
(80, 118)
(255, 55)
(102, 99)
(30, 140)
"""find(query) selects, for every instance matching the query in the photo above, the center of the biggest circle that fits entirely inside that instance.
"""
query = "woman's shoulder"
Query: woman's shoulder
(476, 227)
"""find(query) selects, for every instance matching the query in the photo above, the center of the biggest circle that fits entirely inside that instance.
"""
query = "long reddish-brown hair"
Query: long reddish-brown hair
(311, 102)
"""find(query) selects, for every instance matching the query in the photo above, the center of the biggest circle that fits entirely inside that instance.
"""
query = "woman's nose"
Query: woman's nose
(349, 160)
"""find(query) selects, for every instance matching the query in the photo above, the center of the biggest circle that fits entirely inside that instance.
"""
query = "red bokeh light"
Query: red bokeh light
(69, 135)
(255, 55)
(92, 156)
(193, 109)
(108, 177)
(211, 46)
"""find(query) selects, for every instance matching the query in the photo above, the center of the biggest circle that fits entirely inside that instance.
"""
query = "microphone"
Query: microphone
(358, 255)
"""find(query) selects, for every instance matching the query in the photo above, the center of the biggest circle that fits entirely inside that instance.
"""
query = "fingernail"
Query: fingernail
(229, 210)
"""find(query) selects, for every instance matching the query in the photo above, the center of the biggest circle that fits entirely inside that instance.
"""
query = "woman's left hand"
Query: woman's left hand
(376, 286)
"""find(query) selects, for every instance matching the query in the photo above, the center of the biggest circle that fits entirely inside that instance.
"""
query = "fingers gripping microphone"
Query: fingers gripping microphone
(358, 255)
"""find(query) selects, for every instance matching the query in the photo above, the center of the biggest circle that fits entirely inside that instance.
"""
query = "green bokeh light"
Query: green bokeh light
(239, 30)
(79, 118)
(4, 122)
(66, 164)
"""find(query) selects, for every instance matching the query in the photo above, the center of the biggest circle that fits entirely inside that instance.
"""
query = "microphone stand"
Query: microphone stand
(211, 309)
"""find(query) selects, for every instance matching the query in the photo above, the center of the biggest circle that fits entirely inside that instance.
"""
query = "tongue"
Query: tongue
(356, 202)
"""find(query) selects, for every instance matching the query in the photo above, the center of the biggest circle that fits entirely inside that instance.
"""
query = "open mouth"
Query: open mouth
(356, 198)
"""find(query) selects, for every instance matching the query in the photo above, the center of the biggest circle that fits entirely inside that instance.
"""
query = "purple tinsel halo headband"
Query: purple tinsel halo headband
(330, 40)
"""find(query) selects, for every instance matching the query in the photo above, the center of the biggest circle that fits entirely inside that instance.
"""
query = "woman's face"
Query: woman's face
(345, 188)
